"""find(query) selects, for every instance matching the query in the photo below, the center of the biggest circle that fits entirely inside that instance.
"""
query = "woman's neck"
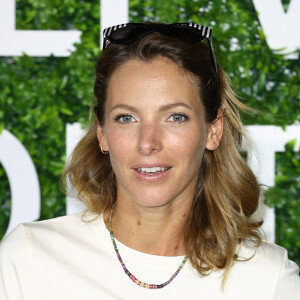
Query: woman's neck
(155, 230)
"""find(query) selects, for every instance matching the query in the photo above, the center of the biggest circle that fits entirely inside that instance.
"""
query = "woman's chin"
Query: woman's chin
(153, 200)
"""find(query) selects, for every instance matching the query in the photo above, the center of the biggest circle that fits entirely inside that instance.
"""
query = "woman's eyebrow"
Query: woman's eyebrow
(124, 106)
(172, 105)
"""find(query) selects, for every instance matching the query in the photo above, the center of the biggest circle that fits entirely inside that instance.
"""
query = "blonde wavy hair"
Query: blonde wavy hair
(227, 192)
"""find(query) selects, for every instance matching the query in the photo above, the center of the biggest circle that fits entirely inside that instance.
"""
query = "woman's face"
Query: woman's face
(155, 132)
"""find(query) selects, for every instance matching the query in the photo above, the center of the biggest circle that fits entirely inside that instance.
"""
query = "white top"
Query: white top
(69, 258)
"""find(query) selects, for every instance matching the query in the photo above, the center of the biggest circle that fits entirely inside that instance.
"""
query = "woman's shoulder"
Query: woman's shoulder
(47, 232)
(267, 257)
(266, 251)
(269, 265)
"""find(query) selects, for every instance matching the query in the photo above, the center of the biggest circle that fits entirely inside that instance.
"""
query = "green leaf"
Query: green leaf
(66, 111)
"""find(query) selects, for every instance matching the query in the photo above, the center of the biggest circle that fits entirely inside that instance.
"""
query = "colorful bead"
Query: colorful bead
(132, 277)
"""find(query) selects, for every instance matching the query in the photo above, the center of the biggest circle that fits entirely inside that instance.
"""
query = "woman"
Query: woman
(169, 196)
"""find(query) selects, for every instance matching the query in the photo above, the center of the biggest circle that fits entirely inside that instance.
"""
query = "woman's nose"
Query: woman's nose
(149, 139)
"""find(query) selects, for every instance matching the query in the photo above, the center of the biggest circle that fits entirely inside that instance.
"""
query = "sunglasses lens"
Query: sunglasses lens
(184, 33)
(126, 34)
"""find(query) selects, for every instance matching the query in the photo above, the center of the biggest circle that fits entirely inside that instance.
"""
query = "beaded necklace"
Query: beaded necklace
(132, 277)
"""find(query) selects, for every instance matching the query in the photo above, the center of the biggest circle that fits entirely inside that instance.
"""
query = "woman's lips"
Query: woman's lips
(151, 173)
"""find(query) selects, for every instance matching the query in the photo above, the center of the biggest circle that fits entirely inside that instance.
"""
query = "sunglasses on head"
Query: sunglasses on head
(188, 32)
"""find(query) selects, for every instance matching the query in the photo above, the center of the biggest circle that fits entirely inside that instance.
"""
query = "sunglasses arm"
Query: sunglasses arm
(213, 57)
(105, 43)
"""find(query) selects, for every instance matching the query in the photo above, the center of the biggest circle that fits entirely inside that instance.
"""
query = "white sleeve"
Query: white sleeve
(10, 288)
(288, 286)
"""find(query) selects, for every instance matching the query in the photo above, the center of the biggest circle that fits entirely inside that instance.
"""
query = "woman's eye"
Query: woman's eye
(178, 118)
(125, 119)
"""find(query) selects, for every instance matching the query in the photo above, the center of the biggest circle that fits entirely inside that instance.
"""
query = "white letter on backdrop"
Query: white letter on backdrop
(267, 140)
(23, 181)
(32, 42)
(280, 27)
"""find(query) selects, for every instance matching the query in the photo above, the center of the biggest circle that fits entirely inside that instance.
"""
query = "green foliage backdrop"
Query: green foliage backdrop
(38, 96)
(285, 198)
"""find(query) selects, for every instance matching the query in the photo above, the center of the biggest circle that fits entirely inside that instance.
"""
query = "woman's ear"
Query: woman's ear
(101, 138)
(215, 132)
